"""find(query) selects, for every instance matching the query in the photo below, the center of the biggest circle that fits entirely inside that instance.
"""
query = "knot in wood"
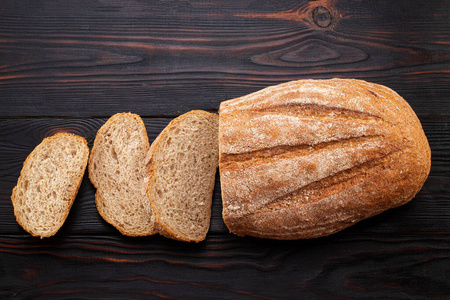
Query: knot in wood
(321, 16)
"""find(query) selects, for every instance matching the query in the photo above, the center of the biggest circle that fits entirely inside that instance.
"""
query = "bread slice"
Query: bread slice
(117, 170)
(182, 164)
(49, 182)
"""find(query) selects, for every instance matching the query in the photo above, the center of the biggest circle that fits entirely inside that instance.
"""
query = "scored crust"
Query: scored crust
(308, 158)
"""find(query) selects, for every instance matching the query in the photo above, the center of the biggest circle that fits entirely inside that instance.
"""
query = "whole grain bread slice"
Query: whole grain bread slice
(182, 164)
(49, 182)
(117, 170)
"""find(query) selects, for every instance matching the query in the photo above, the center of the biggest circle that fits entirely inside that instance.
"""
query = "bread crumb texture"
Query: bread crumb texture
(183, 163)
(117, 170)
(48, 183)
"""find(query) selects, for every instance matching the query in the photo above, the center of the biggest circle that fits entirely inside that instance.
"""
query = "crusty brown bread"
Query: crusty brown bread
(117, 170)
(309, 158)
(49, 182)
(182, 164)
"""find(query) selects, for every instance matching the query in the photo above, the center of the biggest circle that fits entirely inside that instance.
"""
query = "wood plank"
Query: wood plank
(428, 212)
(163, 59)
(69, 65)
(338, 267)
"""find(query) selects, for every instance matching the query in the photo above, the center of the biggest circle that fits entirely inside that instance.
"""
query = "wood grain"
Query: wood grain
(384, 267)
(69, 65)
(164, 59)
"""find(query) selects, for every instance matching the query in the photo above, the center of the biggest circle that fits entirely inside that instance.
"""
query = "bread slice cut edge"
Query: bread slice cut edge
(117, 170)
(186, 154)
(35, 215)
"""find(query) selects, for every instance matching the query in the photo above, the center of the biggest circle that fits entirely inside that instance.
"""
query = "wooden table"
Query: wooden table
(69, 65)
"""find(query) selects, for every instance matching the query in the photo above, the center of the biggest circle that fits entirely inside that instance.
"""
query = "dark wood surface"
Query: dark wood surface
(69, 65)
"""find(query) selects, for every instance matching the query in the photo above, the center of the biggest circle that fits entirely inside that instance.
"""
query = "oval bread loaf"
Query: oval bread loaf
(49, 182)
(309, 158)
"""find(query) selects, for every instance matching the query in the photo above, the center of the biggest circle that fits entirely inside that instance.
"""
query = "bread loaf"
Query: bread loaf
(182, 164)
(309, 158)
(49, 182)
(117, 170)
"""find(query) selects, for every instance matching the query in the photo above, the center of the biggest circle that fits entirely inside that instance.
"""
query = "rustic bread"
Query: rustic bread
(117, 170)
(49, 182)
(309, 158)
(182, 164)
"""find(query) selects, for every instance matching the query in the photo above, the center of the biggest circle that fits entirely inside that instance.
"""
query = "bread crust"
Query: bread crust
(93, 178)
(25, 225)
(308, 158)
(152, 165)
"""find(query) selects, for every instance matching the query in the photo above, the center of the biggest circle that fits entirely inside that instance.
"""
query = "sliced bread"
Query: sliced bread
(49, 182)
(182, 164)
(117, 170)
